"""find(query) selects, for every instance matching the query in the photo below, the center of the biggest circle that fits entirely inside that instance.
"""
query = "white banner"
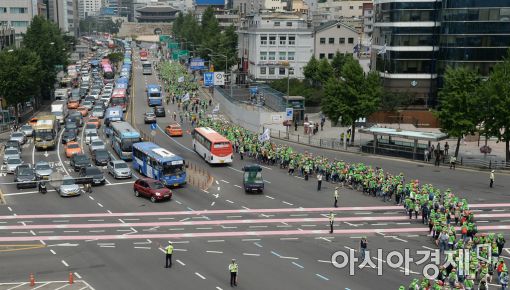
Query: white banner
(219, 78)
(265, 136)
(216, 109)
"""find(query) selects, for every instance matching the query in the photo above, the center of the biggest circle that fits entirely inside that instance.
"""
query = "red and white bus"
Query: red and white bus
(144, 55)
(108, 74)
(119, 98)
(212, 146)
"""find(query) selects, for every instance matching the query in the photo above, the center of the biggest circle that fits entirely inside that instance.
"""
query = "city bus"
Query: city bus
(212, 146)
(154, 95)
(108, 74)
(158, 163)
(119, 98)
(146, 68)
(123, 138)
(143, 55)
(45, 133)
(113, 114)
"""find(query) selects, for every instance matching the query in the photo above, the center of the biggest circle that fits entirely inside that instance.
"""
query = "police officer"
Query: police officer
(331, 218)
(319, 181)
(168, 251)
(491, 179)
(336, 196)
(233, 269)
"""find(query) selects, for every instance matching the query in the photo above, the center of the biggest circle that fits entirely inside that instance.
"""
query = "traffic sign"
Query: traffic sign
(208, 79)
(289, 113)
(219, 78)
(154, 126)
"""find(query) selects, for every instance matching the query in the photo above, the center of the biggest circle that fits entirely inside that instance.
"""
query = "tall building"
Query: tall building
(274, 45)
(333, 37)
(18, 14)
(89, 8)
(417, 40)
(348, 11)
(368, 26)
(63, 13)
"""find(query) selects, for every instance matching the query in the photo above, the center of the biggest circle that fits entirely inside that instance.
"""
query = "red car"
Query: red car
(151, 188)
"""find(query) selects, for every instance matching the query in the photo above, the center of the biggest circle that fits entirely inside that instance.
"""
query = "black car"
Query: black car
(101, 157)
(94, 173)
(159, 111)
(83, 91)
(69, 135)
(76, 117)
(79, 161)
(25, 177)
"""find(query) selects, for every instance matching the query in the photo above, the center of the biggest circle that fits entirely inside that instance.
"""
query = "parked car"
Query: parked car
(25, 177)
(149, 117)
(68, 187)
(119, 169)
(43, 170)
(94, 173)
(19, 137)
(151, 188)
(96, 144)
(27, 130)
(12, 163)
(79, 161)
(11, 153)
(159, 111)
(101, 157)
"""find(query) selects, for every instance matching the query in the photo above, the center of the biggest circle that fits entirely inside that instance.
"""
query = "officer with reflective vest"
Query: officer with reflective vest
(331, 218)
(233, 269)
(169, 251)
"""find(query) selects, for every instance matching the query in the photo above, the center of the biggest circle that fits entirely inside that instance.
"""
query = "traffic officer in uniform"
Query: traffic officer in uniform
(336, 196)
(319, 181)
(331, 221)
(491, 179)
(233, 269)
(168, 251)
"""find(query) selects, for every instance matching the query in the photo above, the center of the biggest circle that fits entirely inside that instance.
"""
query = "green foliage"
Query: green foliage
(115, 57)
(20, 75)
(311, 71)
(91, 24)
(338, 62)
(299, 88)
(391, 101)
(324, 72)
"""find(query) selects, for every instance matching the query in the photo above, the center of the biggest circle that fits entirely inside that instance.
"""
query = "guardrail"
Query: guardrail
(485, 163)
(310, 140)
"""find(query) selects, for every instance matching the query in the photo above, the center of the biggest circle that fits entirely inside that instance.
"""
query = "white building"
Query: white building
(18, 14)
(368, 25)
(64, 14)
(333, 37)
(247, 7)
(348, 11)
(89, 8)
(271, 45)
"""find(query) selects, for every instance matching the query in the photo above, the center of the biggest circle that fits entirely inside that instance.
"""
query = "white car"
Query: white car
(12, 163)
(19, 137)
(91, 137)
(96, 144)
(95, 95)
(90, 128)
(11, 153)
(68, 187)
(119, 169)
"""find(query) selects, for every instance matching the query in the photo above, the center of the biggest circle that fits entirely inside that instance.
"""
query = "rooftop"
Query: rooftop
(406, 134)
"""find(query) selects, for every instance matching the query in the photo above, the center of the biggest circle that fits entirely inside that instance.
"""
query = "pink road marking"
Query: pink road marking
(196, 223)
(228, 234)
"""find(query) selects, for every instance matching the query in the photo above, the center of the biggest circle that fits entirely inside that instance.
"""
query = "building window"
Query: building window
(330, 55)
(272, 40)
(3, 10)
(283, 40)
(281, 71)
(18, 10)
(351, 7)
(360, 7)
(263, 40)
(331, 40)
(262, 70)
(323, 40)
(292, 40)
(282, 55)
(272, 55)
(289, 24)
(321, 55)
(276, 23)
(351, 40)
(271, 70)
(19, 23)
(263, 55)
(290, 55)
(341, 40)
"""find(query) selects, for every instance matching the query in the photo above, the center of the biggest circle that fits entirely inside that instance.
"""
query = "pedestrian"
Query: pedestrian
(446, 147)
(88, 187)
(426, 155)
(319, 181)
(168, 253)
(331, 221)
(363, 244)
(336, 196)
(175, 116)
(491, 179)
(295, 126)
(233, 269)
(453, 160)
(503, 280)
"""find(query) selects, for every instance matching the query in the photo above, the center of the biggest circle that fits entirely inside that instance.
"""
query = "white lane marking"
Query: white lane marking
(77, 275)
(399, 239)
(217, 182)
(246, 208)
(58, 151)
(224, 181)
(143, 248)
(215, 241)
(95, 220)
(218, 288)
(100, 204)
(287, 203)
(288, 239)
(9, 208)
(323, 261)
(257, 227)
(65, 263)
(249, 254)
(238, 186)
(269, 197)
(180, 262)
(406, 223)
(200, 275)
(109, 211)
(90, 196)
(300, 214)
(97, 231)
(53, 252)
(267, 181)
(204, 228)
(298, 265)
(236, 169)
(229, 201)
(212, 203)
(215, 252)
(250, 240)
(322, 277)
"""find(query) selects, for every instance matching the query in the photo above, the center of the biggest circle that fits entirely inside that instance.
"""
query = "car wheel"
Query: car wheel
(153, 199)
(137, 194)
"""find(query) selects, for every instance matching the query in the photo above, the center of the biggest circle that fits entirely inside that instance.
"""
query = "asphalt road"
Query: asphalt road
(113, 240)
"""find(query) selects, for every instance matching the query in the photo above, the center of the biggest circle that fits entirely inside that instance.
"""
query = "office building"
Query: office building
(333, 37)
(63, 13)
(18, 14)
(88, 8)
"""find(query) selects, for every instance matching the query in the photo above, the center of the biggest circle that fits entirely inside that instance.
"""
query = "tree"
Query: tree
(46, 40)
(459, 103)
(177, 25)
(391, 101)
(497, 97)
(337, 63)
(20, 76)
(354, 96)
(324, 71)
(311, 70)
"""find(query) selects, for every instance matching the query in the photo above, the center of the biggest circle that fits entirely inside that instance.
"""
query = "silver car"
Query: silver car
(68, 187)
(28, 130)
(91, 137)
(19, 137)
(96, 144)
(12, 163)
(119, 169)
(87, 104)
(11, 153)
(98, 112)
(43, 170)
(90, 128)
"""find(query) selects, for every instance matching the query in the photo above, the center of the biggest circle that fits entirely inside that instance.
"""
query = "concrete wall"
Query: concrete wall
(132, 28)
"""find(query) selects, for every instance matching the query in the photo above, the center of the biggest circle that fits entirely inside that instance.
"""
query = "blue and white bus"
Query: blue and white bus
(158, 163)
(154, 95)
(123, 138)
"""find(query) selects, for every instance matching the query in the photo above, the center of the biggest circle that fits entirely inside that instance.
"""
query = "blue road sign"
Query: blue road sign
(208, 79)
(289, 113)
(154, 126)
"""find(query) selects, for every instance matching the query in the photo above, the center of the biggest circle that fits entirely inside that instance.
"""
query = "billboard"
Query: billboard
(197, 64)
(210, 2)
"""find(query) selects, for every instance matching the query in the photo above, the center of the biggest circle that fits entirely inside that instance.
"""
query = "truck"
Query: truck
(59, 109)
(252, 178)
(45, 132)
(61, 94)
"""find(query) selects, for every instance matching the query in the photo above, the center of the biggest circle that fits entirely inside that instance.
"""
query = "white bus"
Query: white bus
(212, 146)
(146, 68)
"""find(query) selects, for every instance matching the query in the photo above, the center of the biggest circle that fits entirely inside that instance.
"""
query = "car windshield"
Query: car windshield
(98, 110)
(156, 185)
(90, 126)
(92, 171)
(121, 165)
(87, 103)
(97, 143)
(17, 135)
(169, 169)
(101, 154)
(26, 171)
(42, 167)
(149, 114)
(73, 146)
(68, 181)
(26, 127)
(11, 152)
(81, 158)
(13, 161)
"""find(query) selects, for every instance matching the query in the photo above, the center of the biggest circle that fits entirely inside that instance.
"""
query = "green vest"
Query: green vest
(169, 249)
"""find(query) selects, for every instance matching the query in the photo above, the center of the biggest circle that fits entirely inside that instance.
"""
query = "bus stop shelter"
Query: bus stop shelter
(394, 146)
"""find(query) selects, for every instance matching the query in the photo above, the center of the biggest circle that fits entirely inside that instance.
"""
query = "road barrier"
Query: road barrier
(32, 279)
(71, 278)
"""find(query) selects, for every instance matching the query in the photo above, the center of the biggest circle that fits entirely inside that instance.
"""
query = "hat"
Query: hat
(233, 260)
(170, 242)
(492, 171)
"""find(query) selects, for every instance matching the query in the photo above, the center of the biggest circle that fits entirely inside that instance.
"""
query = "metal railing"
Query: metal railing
(326, 143)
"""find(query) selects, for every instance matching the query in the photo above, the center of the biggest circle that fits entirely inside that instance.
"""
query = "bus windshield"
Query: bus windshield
(155, 95)
(46, 135)
(169, 169)
(117, 101)
(127, 143)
